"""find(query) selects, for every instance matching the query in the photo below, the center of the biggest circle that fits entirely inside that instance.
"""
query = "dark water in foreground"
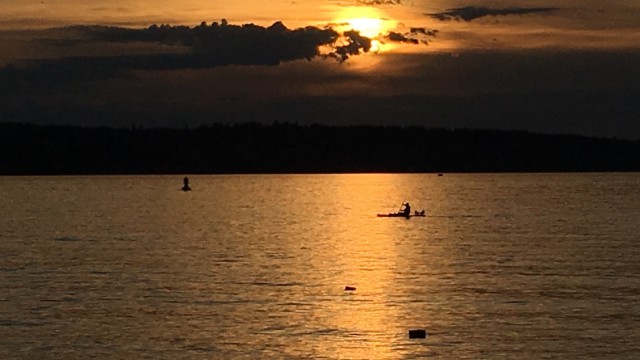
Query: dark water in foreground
(523, 266)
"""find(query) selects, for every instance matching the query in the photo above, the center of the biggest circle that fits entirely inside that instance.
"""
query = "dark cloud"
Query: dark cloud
(355, 43)
(397, 37)
(219, 44)
(413, 36)
(225, 44)
(423, 31)
(203, 46)
(470, 13)
(379, 2)
(249, 44)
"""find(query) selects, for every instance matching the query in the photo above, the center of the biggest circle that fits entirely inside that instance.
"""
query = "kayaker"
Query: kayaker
(407, 209)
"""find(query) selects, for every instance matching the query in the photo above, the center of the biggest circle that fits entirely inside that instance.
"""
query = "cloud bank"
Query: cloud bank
(201, 47)
(470, 13)
(225, 44)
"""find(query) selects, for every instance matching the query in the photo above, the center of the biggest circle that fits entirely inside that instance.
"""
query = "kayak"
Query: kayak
(418, 214)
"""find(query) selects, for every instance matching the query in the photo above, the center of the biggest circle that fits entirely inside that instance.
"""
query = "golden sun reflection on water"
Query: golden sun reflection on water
(369, 255)
(255, 266)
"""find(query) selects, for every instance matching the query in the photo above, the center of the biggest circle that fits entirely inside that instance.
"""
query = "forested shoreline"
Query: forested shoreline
(27, 149)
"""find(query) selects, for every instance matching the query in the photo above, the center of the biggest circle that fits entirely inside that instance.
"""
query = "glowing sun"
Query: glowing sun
(369, 27)
(367, 21)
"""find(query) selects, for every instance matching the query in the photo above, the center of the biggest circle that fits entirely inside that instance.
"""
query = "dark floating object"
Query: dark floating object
(440, 174)
(405, 212)
(417, 334)
(399, 214)
(349, 288)
(186, 186)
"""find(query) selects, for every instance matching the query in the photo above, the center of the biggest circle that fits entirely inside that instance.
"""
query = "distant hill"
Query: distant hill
(289, 148)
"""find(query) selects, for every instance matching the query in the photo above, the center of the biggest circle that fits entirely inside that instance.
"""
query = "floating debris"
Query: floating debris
(417, 334)
(349, 288)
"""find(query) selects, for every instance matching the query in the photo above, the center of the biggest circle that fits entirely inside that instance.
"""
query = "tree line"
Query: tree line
(28, 149)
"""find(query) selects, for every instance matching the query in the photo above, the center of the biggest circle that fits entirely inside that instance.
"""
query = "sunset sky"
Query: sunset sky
(549, 66)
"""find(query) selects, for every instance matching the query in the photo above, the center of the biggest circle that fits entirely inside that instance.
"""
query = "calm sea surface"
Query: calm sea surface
(526, 266)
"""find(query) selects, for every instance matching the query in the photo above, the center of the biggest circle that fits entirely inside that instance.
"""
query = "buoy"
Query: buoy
(349, 288)
(417, 334)
(186, 186)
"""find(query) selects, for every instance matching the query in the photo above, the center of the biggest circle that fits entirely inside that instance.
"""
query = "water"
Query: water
(525, 266)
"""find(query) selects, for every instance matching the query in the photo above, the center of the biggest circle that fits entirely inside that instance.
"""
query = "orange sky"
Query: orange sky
(543, 65)
(577, 23)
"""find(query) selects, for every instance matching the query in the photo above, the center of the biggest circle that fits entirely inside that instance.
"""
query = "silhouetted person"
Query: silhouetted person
(407, 209)
(185, 187)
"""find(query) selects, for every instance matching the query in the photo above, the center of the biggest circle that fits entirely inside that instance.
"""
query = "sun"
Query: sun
(369, 27)
(367, 21)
